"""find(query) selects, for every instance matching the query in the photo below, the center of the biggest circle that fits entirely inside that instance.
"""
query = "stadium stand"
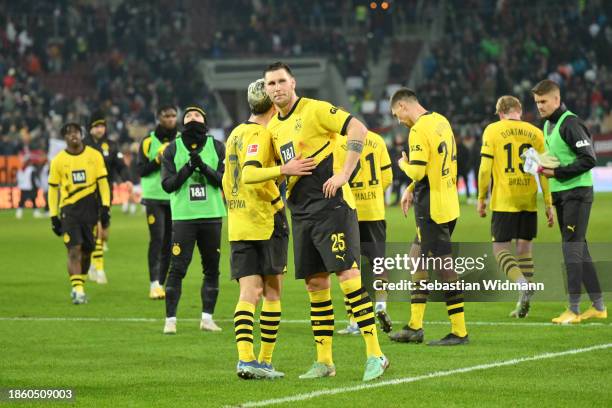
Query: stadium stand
(61, 61)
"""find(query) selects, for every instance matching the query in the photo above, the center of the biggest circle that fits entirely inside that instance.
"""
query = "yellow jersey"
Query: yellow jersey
(251, 207)
(503, 142)
(77, 177)
(310, 130)
(371, 177)
(432, 144)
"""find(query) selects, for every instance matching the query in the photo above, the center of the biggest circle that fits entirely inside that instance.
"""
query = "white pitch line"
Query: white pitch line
(436, 374)
(153, 320)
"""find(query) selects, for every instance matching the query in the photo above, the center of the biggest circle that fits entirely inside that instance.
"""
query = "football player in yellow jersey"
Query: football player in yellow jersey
(77, 185)
(368, 183)
(433, 167)
(514, 195)
(258, 231)
(324, 221)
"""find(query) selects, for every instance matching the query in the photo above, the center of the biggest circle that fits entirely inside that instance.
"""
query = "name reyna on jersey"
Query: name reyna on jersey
(235, 204)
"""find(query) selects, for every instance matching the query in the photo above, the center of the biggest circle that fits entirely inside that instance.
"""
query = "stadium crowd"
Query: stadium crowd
(132, 57)
(486, 56)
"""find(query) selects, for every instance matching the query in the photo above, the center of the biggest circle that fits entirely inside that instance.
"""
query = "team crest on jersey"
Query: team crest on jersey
(252, 149)
(151, 219)
(66, 238)
(176, 249)
(105, 148)
(298, 125)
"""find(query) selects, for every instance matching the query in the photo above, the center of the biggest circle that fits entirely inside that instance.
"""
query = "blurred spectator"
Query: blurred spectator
(463, 164)
(27, 184)
(483, 55)
(400, 179)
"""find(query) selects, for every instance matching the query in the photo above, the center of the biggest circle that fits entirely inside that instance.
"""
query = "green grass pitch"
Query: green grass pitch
(112, 351)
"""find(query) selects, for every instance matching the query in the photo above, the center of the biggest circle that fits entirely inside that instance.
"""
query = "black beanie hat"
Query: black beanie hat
(97, 118)
(194, 107)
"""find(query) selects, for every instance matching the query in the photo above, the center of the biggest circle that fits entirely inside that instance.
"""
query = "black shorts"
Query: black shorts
(435, 239)
(265, 257)
(506, 226)
(75, 233)
(328, 242)
(373, 235)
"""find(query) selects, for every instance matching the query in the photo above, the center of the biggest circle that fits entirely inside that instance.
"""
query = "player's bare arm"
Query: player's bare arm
(356, 133)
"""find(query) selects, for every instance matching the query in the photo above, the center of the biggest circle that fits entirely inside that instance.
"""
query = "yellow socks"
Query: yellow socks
(363, 313)
(97, 256)
(269, 320)
(243, 330)
(322, 322)
(349, 313)
(77, 282)
(525, 263)
(507, 263)
(456, 315)
(418, 301)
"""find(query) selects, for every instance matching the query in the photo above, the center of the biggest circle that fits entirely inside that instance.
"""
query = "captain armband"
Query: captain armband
(355, 146)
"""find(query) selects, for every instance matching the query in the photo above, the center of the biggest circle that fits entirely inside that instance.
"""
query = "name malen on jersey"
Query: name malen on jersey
(519, 181)
(236, 204)
(370, 195)
(518, 132)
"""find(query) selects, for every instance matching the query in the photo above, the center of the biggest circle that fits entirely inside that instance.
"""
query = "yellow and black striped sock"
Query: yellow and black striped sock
(269, 319)
(349, 313)
(322, 322)
(243, 330)
(363, 312)
(97, 256)
(506, 262)
(456, 315)
(418, 301)
(525, 262)
(77, 282)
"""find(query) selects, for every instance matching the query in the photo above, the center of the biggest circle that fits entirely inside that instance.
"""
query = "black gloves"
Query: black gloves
(105, 217)
(195, 161)
(56, 226)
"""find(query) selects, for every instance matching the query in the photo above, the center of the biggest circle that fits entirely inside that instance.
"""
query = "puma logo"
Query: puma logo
(340, 257)
(370, 332)
(319, 341)
(571, 228)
